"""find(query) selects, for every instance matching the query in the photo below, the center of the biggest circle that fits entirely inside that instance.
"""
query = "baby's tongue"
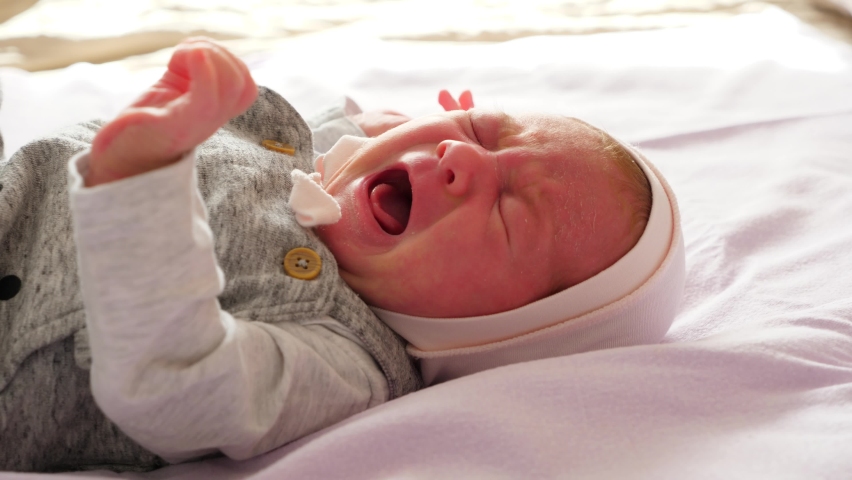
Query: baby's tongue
(391, 207)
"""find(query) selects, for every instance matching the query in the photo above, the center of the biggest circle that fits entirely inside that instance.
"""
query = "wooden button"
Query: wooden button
(10, 285)
(302, 263)
(279, 147)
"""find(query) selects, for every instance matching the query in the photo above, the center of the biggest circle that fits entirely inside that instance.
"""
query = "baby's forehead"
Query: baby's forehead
(553, 133)
(537, 131)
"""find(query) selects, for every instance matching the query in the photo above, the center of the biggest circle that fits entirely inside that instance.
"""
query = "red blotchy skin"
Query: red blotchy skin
(499, 218)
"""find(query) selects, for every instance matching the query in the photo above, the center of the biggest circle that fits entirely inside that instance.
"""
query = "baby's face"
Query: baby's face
(471, 213)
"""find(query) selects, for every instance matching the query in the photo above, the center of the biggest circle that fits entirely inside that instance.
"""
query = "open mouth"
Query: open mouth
(390, 200)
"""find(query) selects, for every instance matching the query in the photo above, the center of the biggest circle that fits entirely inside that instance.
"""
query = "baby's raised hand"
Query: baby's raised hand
(465, 101)
(204, 87)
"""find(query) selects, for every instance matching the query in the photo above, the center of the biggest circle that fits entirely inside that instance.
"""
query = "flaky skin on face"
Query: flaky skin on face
(503, 211)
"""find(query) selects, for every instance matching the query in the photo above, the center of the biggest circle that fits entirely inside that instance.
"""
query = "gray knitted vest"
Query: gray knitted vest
(48, 419)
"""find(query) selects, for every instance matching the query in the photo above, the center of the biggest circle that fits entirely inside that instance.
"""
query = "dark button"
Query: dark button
(10, 285)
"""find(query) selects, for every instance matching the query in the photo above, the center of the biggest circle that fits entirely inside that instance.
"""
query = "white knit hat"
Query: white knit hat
(633, 302)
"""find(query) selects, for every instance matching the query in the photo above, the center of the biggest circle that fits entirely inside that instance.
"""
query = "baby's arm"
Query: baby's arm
(177, 373)
(173, 370)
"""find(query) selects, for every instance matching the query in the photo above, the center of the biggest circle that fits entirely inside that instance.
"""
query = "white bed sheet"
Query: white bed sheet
(751, 122)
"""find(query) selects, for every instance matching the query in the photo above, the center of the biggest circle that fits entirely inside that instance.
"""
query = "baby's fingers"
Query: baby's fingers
(203, 84)
(220, 86)
(465, 101)
(447, 101)
(249, 90)
(237, 89)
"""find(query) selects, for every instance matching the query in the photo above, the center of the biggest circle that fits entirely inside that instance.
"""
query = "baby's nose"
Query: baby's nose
(463, 167)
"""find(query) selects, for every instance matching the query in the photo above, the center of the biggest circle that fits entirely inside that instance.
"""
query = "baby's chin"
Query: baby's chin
(345, 239)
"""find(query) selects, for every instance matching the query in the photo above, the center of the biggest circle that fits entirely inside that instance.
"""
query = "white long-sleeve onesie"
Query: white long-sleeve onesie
(177, 373)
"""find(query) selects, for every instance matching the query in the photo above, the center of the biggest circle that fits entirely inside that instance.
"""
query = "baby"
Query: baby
(212, 318)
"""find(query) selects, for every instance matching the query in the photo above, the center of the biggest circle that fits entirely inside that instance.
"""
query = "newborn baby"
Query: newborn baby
(211, 317)
(453, 215)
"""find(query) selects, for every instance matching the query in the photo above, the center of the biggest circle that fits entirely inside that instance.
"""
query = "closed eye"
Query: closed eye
(476, 136)
(499, 205)
(490, 129)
